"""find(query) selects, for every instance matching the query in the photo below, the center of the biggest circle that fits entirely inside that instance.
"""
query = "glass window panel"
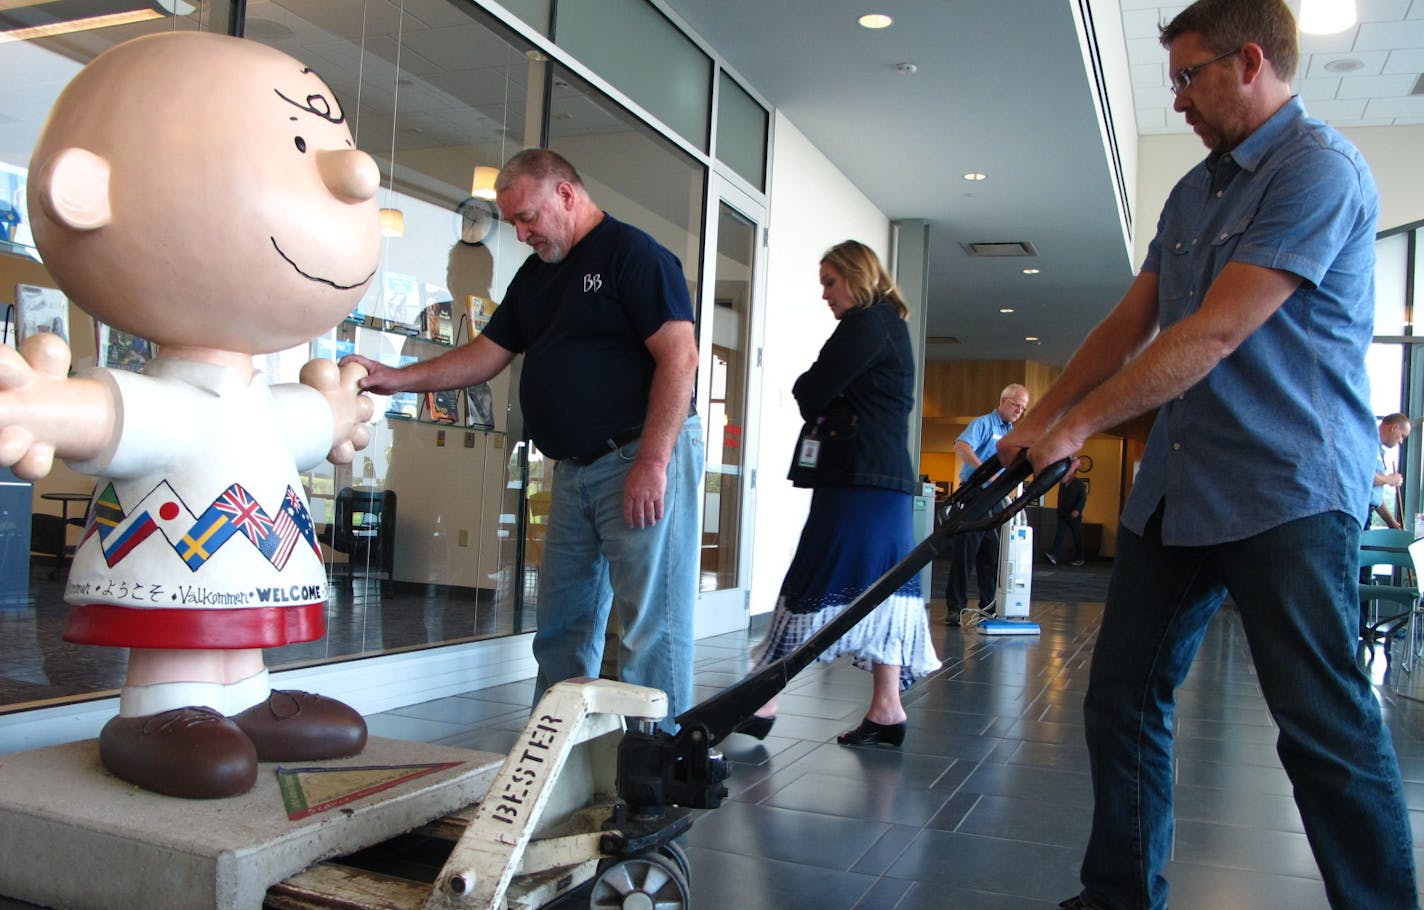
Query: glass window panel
(741, 131)
(631, 172)
(1390, 262)
(1385, 364)
(667, 74)
(433, 90)
(726, 411)
(35, 663)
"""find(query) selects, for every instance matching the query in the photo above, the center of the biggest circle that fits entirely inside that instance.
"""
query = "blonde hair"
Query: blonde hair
(864, 275)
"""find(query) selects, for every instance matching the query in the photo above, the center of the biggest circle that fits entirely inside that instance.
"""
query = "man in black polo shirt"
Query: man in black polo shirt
(602, 315)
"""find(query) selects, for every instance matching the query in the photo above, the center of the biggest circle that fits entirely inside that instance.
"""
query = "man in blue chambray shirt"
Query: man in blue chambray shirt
(1248, 326)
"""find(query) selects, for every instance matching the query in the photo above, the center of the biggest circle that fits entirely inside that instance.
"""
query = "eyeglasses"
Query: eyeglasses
(1183, 80)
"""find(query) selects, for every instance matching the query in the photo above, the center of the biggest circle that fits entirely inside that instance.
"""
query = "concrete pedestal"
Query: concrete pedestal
(74, 836)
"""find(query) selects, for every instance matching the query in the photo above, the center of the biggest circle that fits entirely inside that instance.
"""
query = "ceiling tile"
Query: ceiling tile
(1382, 10)
(1376, 86)
(1149, 76)
(1338, 43)
(1337, 110)
(1410, 109)
(1142, 23)
(1406, 61)
(1390, 35)
(1323, 89)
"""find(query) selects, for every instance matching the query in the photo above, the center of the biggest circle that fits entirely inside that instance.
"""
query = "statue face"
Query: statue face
(241, 216)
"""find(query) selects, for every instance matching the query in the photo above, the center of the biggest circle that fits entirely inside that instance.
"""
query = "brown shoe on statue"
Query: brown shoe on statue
(194, 753)
(302, 726)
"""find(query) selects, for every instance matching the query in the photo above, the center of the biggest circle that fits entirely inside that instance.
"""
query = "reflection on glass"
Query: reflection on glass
(418, 529)
(726, 408)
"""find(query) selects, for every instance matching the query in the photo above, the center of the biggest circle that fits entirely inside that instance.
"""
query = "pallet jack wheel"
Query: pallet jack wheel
(641, 883)
(674, 852)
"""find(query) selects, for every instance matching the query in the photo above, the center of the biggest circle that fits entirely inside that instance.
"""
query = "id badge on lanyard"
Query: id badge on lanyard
(810, 451)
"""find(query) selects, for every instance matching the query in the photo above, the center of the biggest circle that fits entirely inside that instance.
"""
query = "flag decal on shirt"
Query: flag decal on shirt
(235, 514)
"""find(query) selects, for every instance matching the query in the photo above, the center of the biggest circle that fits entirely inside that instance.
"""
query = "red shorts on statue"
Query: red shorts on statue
(244, 627)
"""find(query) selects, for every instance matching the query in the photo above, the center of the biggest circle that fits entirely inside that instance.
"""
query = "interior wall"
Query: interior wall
(813, 207)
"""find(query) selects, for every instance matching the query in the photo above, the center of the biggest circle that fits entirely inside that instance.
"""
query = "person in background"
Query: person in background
(1247, 327)
(1072, 497)
(854, 455)
(602, 315)
(1393, 430)
(978, 551)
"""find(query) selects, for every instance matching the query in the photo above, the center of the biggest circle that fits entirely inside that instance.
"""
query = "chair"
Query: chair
(1379, 623)
(364, 528)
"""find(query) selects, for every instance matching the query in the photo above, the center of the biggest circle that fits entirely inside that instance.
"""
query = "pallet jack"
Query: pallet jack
(586, 798)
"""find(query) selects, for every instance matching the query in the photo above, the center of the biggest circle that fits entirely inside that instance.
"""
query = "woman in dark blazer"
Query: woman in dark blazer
(853, 454)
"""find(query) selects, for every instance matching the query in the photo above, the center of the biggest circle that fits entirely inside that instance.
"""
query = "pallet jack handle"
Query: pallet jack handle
(658, 769)
(970, 508)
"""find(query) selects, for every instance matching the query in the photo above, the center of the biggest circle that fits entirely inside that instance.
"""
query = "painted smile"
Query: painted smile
(318, 278)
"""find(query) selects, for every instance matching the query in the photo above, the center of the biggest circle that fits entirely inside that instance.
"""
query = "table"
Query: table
(64, 499)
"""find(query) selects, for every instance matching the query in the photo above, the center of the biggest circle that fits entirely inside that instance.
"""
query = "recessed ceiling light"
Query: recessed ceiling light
(1006, 309)
(1030, 271)
(1031, 338)
(975, 175)
(1326, 17)
(1345, 65)
(875, 20)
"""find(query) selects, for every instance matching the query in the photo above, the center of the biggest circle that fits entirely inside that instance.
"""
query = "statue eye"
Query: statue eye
(301, 145)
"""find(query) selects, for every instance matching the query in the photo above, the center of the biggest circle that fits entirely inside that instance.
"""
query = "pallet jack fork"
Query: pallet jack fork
(584, 797)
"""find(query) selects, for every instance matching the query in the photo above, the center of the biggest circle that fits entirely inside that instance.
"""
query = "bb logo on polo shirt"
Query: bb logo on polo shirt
(592, 283)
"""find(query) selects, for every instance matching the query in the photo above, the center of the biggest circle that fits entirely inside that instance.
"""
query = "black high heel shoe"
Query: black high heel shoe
(869, 733)
(755, 726)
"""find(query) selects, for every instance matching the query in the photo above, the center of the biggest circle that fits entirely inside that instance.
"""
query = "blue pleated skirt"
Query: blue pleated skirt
(852, 536)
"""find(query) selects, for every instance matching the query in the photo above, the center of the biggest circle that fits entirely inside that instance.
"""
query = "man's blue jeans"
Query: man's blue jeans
(593, 562)
(1295, 587)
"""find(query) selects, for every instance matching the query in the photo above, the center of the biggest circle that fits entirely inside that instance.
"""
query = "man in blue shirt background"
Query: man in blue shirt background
(978, 551)
(1247, 327)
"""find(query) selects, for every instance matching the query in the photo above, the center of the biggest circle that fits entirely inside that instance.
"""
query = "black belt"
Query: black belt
(611, 444)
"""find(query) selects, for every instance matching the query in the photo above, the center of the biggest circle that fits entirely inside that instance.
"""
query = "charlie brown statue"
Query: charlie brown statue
(203, 192)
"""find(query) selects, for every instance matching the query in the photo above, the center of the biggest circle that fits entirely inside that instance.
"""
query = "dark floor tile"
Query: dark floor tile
(878, 796)
(1028, 820)
(1238, 808)
(992, 865)
(953, 812)
(417, 729)
(769, 832)
(730, 880)
(1058, 756)
(520, 694)
(462, 711)
(1214, 886)
(1234, 776)
(1249, 849)
(904, 769)
(885, 894)
(1037, 731)
(886, 850)
(937, 896)
(1043, 785)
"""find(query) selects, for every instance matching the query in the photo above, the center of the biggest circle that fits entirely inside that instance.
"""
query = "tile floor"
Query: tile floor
(987, 805)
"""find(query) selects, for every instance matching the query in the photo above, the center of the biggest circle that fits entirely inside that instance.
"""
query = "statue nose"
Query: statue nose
(350, 174)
